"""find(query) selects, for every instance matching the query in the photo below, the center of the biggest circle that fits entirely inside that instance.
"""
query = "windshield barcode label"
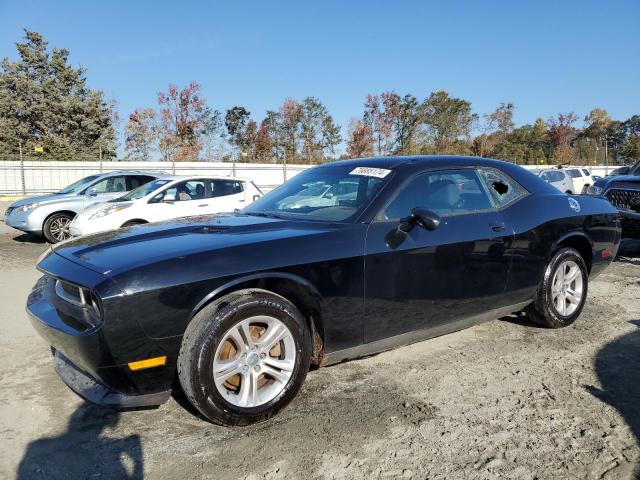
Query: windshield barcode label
(370, 172)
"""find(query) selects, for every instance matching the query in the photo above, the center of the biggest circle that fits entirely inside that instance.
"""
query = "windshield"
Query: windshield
(143, 190)
(635, 170)
(80, 185)
(330, 194)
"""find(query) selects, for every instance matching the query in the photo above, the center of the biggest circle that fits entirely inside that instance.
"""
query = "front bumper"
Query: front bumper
(91, 359)
(79, 228)
(23, 221)
(630, 223)
(95, 392)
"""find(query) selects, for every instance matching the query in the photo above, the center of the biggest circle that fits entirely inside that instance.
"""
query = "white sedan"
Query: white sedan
(166, 198)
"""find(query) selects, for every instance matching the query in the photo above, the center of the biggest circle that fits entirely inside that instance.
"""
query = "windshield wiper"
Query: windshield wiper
(262, 214)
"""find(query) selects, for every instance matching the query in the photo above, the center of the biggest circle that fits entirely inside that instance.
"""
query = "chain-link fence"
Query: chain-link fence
(37, 177)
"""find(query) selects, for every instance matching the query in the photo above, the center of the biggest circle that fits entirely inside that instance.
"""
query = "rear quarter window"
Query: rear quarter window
(503, 189)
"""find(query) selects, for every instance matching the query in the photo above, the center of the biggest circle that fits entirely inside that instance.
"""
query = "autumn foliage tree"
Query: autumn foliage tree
(360, 139)
(185, 119)
(141, 134)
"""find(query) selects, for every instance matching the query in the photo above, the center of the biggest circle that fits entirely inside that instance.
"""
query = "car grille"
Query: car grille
(9, 210)
(621, 197)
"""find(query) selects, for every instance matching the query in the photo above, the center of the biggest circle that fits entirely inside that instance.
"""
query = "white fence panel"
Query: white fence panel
(35, 177)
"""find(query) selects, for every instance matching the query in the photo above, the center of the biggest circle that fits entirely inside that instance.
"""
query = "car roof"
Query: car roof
(421, 161)
(410, 165)
(209, 177)
(155, 173)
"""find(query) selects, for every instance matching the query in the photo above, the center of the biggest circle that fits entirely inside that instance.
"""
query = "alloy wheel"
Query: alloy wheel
(59, 228)
(567, 288)
(254, 361)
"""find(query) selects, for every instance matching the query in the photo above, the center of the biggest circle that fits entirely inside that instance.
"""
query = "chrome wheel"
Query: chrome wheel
(254, 361)
(567, 288)
(59, 228)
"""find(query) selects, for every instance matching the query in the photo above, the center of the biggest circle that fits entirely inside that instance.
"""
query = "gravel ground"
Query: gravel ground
(504, 399)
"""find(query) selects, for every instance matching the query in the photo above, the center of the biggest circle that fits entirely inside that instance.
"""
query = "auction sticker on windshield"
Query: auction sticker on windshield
(370, 172)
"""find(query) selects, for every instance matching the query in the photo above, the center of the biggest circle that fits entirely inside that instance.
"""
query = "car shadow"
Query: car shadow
(617, 366)
(29, 238)
(521, 319)
(87, 449)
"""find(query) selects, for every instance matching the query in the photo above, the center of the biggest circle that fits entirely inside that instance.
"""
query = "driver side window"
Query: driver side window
(182, 192)
(110, 185)
(447, 192)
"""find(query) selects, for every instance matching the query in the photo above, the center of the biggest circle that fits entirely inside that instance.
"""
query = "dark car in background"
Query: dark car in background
(623, 191)
(237, 307)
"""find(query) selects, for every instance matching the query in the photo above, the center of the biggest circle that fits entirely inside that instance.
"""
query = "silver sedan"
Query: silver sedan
(50, 215)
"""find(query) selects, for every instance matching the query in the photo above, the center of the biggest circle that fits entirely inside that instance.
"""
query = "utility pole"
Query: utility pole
(606, 155)
(24, 189)
(100, 158)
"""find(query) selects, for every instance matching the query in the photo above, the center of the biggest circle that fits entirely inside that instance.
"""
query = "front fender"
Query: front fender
(253, 278)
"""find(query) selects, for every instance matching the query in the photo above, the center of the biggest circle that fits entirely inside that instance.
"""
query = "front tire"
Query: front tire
(56, 227)
(562, 294)
(244, 357)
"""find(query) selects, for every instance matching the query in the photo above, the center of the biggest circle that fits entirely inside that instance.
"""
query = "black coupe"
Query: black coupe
(344, 260)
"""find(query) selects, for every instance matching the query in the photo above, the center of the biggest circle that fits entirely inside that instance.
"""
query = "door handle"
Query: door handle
(497, 227)
(203, 205)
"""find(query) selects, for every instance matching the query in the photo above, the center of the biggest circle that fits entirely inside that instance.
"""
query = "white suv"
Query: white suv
(166, 198)
(581, 179)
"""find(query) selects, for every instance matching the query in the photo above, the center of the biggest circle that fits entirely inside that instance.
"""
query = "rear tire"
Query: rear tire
(234, 380)
(56, 227)
(562, 294)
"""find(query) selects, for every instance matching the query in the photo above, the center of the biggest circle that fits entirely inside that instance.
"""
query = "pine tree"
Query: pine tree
(45, 102)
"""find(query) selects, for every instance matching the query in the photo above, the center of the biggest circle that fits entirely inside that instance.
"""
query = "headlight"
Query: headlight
(108, 210)
(27, 208)
(594, 190)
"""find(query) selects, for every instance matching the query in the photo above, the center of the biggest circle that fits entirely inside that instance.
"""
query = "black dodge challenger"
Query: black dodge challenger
(344, 260)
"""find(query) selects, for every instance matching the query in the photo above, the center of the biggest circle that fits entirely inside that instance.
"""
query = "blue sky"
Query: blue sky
(545, 56)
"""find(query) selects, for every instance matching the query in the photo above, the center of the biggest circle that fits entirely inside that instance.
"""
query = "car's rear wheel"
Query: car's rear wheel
(585, 188)
(56, 227)
(244, 357)
(562, 294)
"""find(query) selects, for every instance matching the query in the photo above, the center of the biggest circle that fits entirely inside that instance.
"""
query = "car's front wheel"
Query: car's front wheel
(56, 227)
(562, 294)
(244, 357)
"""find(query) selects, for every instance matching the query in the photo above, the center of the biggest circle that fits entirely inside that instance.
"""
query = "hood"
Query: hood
(604, 182)
(44, 199)
(127, 248)
(94, 207)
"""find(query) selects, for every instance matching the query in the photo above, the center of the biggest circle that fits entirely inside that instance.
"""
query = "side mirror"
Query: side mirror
(92, 192)
(420, 216)
(169, 198)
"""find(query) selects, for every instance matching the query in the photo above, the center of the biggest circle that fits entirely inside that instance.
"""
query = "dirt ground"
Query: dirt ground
(504, 399)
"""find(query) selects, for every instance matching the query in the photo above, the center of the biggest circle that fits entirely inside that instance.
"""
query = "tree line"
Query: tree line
(46, 106)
